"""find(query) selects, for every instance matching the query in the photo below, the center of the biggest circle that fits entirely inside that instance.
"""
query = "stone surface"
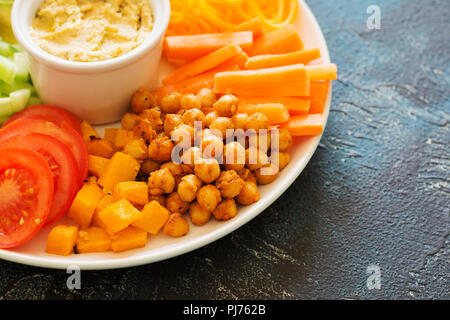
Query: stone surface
(376, 191)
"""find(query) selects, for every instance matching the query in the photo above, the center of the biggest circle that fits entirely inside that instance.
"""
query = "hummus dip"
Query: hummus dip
(91, 30)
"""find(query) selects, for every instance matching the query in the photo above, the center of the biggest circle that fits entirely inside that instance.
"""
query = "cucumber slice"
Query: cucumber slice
(5, 107)
(6, 88)
(34, 101)
(22, 67)
(7, 70)
(6, 49)
(19, 99)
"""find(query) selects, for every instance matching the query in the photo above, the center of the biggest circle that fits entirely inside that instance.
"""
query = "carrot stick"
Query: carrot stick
(319, 94)
(203, 64)
(254, 25)
(295, 105)
(327, 71)
(275, 112)
(240, 60)
(177, 63)
(284, 59)
(284, 81)
(284, 40)
(195, 46)
(305, 125)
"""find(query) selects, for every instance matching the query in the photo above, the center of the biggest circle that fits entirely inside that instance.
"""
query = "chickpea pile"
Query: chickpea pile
(212, 177)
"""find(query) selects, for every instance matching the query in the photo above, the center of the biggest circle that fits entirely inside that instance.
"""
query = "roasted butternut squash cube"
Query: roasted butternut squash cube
(106, 201)
(134, 191)
(154, 216)
(110, 134)
(97, 165)
(61, 240)
(84, 204)
(122, 138)
(88, 132)
(129, 238)
(118, 216)
(93, 239)
(101, 148)
(122, 167)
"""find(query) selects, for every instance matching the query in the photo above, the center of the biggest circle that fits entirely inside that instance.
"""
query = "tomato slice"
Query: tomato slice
(64, 134)
(26, 194)
(53, 114)
(62, 165)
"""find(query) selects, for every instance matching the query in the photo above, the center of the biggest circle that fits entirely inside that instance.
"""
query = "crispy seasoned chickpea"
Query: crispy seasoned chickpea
(207, 170)
(171, 103)
(161, 181)
(210, 117)
(136, 148)
(230, 184)
(176, 225)
(192, 115)
(227, 105)
(184, 134)
(226, 210)
(160, 198)
(174, 168)
(171, 121)
(188, 187)
(240, 120)
(141, 100)
(199, 215)
(267, 174)
(234, 156)
(190, 101)
(248, 175)
(207, 97)
(212, 146)
(280, 158)
(190, 157)
(255, 159)
(208, 197)
(154, 116)
(160, 149)
(249, 194)
(148, 166)
(129, 120)
(284, 139)
(175, 204)
(222, 124)
(257, 121)
(143, 129)
(261, 140)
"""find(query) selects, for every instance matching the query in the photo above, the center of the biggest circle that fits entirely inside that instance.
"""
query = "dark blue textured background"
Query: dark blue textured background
(375, 192)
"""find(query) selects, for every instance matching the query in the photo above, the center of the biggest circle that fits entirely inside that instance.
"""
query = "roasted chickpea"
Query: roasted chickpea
(227, 105)
(176, 225)
(184, 134)
(207, 97)
(148, 166)
(212, 146)
(234, 156)
(267, 174)
(257, 121)
(171, 102)
(160, 149)
(154, 116)
(192, 115)
(249, 193)
(161, 181)
(129, 120)
(188, 187)
(210, 117)
(260, 140)
(174, 168)
(141, 100)
(284, 140)
(190, 157)
(159, 198)
(226, 210)
(230, 184)
(255, 159)
(208, 197)
(190, 101)
(280, 158)
(137, 148)
(143, 129)
(171, 121)
(240, 120)
(222, 124)
(199, 215)
(207, 170)
(175, 204)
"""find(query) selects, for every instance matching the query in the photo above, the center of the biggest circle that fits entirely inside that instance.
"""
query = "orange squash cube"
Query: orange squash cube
(122, 138)
(61, 240)
(97, 165)
(93, 239)
(106, 201)
(118, 216)
(101, 148)
(122, 167)
(133, 191)
(153, 217)
(110, 134)
(84, 204)
(129, 238)
(88, 131)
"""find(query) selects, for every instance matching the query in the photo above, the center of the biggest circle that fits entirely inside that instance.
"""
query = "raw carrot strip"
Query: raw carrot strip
(193, 47)
(284, 59)
(275, 112)
(203, 64)
(177, 63)
(287, 81)
(284, 40)
(295, 105)
(305, 125)
(326, 71)
(240, 60)
(319, 94)
(254, 25)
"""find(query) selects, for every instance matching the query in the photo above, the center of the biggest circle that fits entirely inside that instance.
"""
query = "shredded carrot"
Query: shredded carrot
(278, 60)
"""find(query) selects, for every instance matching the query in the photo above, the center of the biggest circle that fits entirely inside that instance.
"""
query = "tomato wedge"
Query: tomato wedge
(62, 165)
(26, 194)
(68, 136)
(54, 114)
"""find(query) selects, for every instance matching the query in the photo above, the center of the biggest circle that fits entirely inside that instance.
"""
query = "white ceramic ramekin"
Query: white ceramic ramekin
(98, 92)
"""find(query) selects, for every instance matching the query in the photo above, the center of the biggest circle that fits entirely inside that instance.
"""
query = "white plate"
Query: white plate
(162, 247)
